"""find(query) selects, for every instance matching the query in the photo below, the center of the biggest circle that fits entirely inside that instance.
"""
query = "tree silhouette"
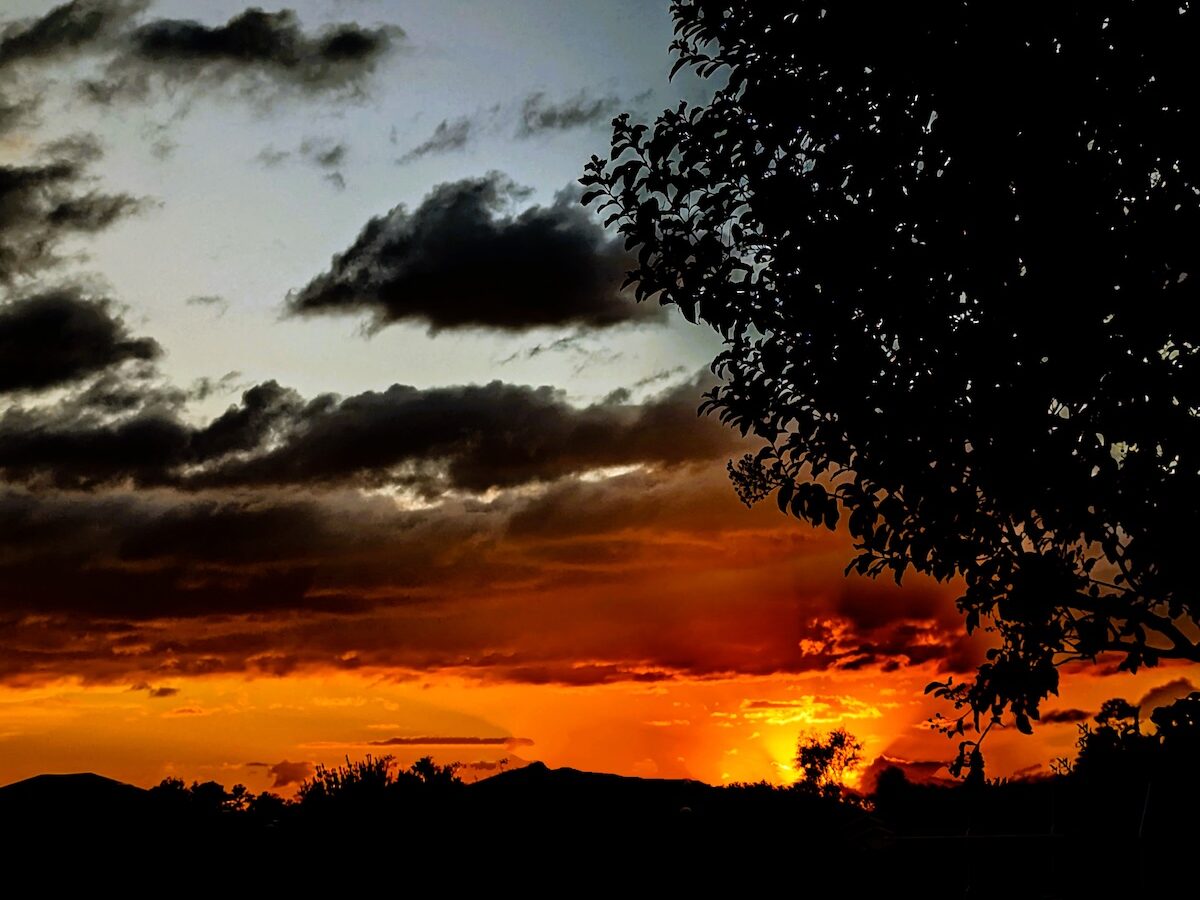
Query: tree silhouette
(824, 762)
(951, 250)
(1118, 744)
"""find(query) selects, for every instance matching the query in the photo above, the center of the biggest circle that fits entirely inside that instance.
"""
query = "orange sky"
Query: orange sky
(717, 731)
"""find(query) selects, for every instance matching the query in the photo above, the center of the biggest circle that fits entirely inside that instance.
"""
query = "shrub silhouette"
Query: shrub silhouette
(376, 789)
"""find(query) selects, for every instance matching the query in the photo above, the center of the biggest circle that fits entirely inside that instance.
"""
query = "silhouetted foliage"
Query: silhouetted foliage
(824, 762)
(375, 786)
(267, 809)
(553, 825)
(1179, 729)
(951, 249)
(208, 798)
(354, 784)
(1117, 746)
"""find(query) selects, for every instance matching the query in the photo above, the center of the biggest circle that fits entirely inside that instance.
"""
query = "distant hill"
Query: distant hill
(75, 799)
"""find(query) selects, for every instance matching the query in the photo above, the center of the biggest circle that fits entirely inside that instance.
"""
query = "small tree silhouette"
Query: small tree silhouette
(430, 773)
(824, 762)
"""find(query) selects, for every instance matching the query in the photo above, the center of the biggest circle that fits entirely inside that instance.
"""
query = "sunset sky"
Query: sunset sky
(326, 430)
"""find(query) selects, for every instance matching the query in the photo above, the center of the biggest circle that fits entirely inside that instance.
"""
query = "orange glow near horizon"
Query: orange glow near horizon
(235, 730)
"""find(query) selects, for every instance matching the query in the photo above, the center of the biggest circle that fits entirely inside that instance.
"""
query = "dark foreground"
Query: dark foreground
(574, 833)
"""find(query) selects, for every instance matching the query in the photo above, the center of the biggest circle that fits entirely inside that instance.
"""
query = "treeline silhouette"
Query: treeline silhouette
(1120, 818)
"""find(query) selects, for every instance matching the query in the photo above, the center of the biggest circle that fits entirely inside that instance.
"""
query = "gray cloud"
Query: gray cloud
(539, 114)
(270, 157)
(450, 134)
(16, 113)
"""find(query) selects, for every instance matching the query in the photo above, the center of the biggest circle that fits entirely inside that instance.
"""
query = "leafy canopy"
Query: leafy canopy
(952, 250)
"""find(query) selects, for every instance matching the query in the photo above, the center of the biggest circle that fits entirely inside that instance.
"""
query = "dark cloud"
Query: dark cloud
(775, 704)
(538, 114)
(81, 445)
(80, 147)
(1031, 772)
(285, 773)
(889, 623)
(1165, 695)
(320, 152)
(15, 113)
(163, 148)
(450, 134)
(90, 213)
(495, 765)
(214, 301)
(61, 336)
(41, 203)
(1064, 716)
(271, 157)
(66, 30)
(457, 261)
(324, 153)
(475, 438)
(452, 742)
(571, 344)
(918, 771)
(137, 558)
(154, 586)
(656, 377)
(470, 438)
(262, 52)
(155, 693)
